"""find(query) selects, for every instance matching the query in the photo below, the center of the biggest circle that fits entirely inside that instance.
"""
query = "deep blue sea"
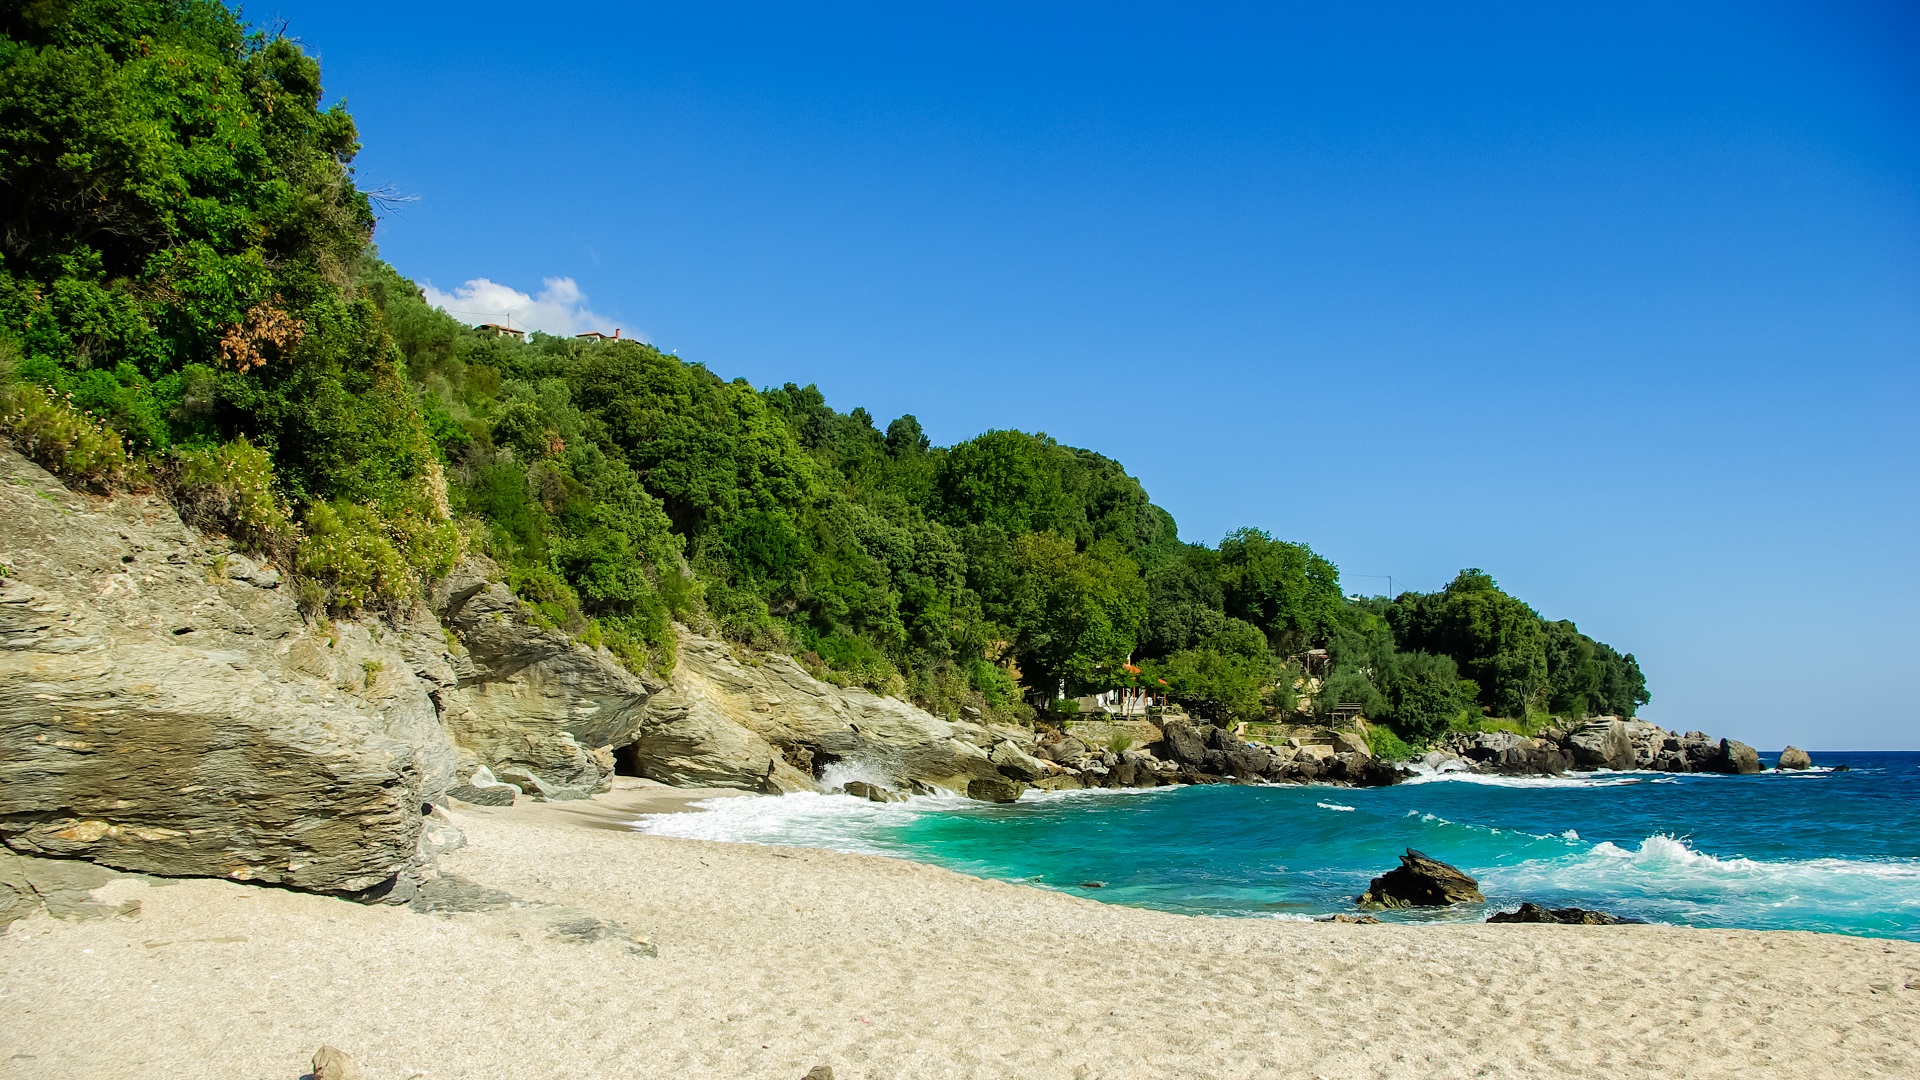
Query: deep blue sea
(1820, 850)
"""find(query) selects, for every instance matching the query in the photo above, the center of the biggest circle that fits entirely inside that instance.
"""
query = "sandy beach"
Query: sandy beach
(622, 955)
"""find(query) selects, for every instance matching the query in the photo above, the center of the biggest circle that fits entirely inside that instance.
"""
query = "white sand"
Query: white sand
(772, 961)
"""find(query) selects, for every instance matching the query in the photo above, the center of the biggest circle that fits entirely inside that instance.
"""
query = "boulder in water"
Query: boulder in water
(1420, 881)
(1735, 757)
(1572, 916)
(1794, 758)
(995, 789)
(860, 789)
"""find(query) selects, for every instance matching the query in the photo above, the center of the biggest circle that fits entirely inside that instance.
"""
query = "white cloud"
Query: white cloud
(559, 308)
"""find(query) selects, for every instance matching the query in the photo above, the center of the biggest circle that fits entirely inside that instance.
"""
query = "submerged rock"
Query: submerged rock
(1420, 881)
(1573, 916)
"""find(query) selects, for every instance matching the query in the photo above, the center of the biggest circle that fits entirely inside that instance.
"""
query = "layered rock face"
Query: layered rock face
(533, 707)
(767, 725)
(164, 708)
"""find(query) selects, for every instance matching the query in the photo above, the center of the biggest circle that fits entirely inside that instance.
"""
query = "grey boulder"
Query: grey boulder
(1602, 744)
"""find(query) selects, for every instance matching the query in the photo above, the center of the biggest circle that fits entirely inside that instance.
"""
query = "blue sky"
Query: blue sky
(1620, 302)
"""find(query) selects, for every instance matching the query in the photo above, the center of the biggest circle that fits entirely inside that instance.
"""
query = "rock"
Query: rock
(1508, 753)
(1670, 761)
(731, 722)
(491, 795)
(1647, 739)
(1357, 920)
(158, 717)
(1066, 750)
(530, 701)
(1016, 764)
(1700, 753)
(1063, 782)
(1602, 744)
(1373, 772)
(872, 792)
(1534, 913)
(1735, 757)
(819, 1072)
(1421, 882)
(1184, 743)
(330, 1064)
(995, 789)
(1794, 758)
(64, 888)
(1348, 742)
(1247, 762)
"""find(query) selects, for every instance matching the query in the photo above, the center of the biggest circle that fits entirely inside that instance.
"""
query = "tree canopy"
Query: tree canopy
(189, 297)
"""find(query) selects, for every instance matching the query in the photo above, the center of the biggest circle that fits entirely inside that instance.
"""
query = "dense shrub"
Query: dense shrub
(49, 431)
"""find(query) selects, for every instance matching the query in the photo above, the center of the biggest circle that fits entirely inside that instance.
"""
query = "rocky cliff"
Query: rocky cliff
(164, 707)
(764, 724)
(528, 704)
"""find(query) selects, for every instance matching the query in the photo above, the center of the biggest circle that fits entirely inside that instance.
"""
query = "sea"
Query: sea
(1825, 849)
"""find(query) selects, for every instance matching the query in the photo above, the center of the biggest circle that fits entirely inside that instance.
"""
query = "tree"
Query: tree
(1284, 589)
(1496, 640)
(1075, 615)
(1427, 695)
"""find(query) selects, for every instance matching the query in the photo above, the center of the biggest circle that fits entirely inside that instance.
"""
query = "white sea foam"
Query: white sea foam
(1667, 873)
(1333, 806)
(1587, 780)
(801, 819)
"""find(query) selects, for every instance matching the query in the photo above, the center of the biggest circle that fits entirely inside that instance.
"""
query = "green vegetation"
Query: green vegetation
(189, 298)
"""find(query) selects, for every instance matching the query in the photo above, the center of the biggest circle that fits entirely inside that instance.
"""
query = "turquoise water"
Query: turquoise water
(1824, 850)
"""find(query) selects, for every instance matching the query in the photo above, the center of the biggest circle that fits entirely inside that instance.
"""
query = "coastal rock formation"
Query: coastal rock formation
(1794, 758)
(1736, 757)
(1572, 916)
(1420, 881)
(764, 724)
(159, 714)
(1602, 744)
(1516, 755)
(532, 705)
(995, 789)
(1605, 742)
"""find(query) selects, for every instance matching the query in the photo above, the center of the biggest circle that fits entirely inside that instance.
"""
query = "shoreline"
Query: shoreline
(772, 960)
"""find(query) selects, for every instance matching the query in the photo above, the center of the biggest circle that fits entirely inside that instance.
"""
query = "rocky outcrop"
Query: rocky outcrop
(1794, 758)
(1571, 916)
(531, 704)
(995, 789)
(1605, 742)
(159, 713)
(1602, 744)
(764, 724)
(1421, 882)
(1516, 755)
